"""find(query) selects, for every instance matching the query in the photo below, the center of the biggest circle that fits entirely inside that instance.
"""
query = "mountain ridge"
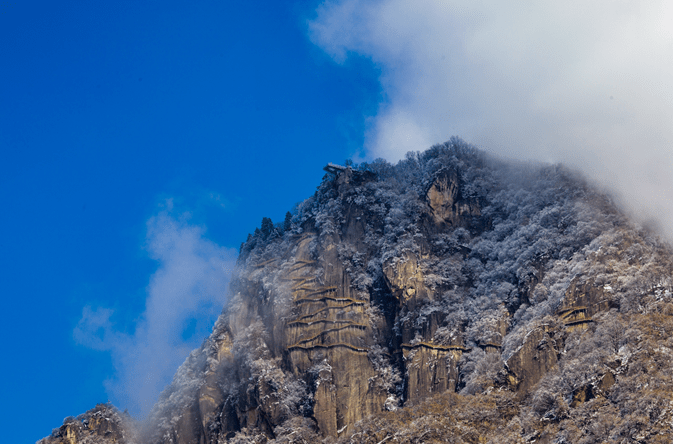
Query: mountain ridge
(411, 292)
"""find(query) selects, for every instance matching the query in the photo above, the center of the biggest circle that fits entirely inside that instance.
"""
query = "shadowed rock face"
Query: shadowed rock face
(445, 273)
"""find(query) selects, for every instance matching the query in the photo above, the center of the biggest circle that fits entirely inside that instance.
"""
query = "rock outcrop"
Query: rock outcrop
(103, 424)
(448, 205)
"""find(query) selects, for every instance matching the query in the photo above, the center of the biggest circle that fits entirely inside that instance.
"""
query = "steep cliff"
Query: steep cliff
(448, 281)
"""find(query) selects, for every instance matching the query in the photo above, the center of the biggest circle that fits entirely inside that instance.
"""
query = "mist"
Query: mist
(183, 298)
(587, 84)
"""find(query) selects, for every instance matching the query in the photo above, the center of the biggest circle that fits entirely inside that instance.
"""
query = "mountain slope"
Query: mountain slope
(452, 297)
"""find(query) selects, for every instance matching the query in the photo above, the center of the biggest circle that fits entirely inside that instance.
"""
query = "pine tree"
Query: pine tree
(287, 225)
(267, 227)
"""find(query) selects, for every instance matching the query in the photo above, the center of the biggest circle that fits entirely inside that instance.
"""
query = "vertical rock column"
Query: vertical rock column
(330, 338)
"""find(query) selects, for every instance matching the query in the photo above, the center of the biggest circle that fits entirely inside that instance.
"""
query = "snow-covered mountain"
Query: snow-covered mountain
(453, 297)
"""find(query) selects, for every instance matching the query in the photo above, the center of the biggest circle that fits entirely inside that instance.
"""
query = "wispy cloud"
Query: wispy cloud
(184, 296)
(583, 83)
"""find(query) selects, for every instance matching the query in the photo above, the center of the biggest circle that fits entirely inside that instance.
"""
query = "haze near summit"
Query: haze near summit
(587, 84)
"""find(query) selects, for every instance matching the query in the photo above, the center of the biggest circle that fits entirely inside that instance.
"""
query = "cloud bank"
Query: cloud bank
(588, 84)
(184, 297)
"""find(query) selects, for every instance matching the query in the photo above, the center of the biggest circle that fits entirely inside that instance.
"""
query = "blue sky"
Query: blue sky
(141, 141)
(108, 111)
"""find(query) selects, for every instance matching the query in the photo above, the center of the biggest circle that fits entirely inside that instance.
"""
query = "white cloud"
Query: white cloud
(184, 296)
(584, 83)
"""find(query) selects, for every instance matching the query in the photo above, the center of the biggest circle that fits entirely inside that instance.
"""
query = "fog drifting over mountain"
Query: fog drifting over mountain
(585, 84)
(183, 298)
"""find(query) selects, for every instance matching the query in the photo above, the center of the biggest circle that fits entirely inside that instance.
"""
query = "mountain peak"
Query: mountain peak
(450, 282)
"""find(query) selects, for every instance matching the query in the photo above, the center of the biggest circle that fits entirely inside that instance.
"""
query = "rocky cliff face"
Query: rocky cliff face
(447, 273)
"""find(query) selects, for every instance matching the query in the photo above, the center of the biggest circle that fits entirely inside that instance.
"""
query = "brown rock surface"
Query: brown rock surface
(430, 370)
